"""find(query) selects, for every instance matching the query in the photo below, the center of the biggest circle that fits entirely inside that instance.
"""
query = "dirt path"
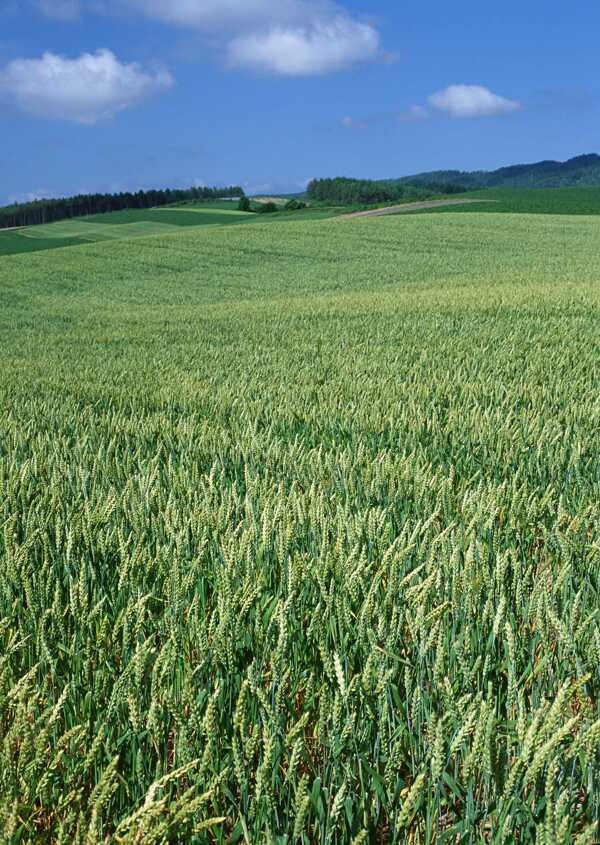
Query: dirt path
(407, 206)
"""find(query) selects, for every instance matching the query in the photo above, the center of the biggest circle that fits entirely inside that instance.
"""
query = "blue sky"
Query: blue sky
(125, 94)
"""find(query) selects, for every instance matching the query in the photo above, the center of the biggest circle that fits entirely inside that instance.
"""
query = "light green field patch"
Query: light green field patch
(118, 225)
(97, 231)
(230, 212)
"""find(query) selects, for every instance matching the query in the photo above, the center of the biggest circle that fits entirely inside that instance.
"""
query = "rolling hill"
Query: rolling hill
(130, 223)
(581, 171)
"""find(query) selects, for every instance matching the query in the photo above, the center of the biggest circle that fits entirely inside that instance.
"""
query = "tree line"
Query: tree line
(52, 210)
(343, 191)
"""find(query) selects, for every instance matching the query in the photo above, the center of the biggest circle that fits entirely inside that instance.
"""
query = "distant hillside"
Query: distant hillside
(582, 171)
(44, 211)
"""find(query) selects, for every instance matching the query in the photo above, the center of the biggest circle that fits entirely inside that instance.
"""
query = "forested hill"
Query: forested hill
(51, 210)
(344, 191)
(582, 171)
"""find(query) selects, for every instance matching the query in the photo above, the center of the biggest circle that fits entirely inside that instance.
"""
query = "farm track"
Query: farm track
(408, 206)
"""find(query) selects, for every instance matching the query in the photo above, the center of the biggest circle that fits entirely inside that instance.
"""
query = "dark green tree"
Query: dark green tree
(294, 205)
(267, 208)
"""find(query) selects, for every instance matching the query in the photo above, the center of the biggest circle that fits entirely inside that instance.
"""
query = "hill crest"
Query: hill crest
(580, 171)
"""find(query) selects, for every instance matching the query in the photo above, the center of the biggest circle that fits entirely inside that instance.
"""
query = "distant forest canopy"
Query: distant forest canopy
(51, 210)
(582, 171)
(342, 191)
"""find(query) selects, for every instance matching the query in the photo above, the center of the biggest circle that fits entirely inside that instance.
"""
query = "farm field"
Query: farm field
(300, 533)
(136, 223)
(116, 225)
(124, 225)
(570, 201)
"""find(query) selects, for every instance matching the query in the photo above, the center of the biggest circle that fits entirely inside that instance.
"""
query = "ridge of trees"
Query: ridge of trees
(344, 191)
(582, 171)
(52, 210)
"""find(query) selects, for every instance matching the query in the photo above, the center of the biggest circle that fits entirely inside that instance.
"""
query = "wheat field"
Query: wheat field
(299, 535)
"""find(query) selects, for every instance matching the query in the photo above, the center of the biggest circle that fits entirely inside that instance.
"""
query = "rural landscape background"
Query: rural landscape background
(299, 483)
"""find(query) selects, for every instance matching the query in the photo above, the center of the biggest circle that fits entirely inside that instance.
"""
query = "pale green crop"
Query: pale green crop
(299, 535)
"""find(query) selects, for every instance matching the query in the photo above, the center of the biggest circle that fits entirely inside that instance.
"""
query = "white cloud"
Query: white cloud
(289, 37)
(85, 90)
(62, 10)
(324, 47)
(471, 101)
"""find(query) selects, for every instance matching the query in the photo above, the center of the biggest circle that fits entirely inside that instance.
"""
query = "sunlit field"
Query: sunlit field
(299, 534)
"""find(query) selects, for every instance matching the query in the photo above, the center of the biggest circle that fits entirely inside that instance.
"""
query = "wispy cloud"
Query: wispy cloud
(471, 101)
(32, 196)
(415, 114)
(226, 14)
(62, 10)
(86, 89)
(349, 122)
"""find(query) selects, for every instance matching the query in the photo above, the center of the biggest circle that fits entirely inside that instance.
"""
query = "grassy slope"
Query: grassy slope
(119, 224)
(124, 225)
(350, 468)
(534, 201)
(139, 223)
